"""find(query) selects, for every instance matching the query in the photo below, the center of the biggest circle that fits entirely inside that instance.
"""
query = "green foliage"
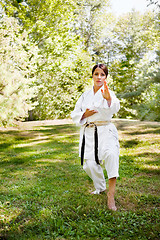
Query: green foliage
(17, 80)
(136, 46)
(150, 108)
(62, 66)
(90, 22)
(63, 40)
(61, 86)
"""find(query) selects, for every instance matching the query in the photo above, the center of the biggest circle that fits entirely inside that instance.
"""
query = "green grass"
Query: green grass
(45, 194)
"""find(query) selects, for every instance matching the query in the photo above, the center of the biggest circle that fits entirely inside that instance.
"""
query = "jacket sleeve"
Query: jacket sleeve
(77, 113)
(102, 103)
(115, 104)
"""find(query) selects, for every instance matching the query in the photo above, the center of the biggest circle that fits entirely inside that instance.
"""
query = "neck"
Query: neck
(95, 89)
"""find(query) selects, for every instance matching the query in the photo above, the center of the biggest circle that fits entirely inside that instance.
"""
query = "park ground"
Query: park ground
(45, 194)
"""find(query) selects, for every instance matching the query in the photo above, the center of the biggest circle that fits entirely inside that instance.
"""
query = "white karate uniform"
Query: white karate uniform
(108, 144)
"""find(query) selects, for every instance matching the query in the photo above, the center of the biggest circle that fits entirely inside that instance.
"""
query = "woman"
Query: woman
(98, 136)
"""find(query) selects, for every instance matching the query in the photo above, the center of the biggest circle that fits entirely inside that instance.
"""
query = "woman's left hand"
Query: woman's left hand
(106, 94)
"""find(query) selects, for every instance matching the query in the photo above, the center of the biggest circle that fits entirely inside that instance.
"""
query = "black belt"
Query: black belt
(95, 143)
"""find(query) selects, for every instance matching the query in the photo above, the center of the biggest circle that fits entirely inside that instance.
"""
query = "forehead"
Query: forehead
(99, 70)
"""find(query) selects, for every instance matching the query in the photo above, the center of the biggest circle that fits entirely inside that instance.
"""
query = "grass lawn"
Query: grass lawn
(45, 194)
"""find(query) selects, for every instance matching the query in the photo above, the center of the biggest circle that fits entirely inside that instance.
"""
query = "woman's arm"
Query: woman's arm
(106, 94)
(88, 113)
(79, 115)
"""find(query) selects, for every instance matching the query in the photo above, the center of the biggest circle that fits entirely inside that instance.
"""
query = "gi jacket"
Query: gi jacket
(107, 135)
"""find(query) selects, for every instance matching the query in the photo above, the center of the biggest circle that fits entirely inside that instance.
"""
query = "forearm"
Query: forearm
(109, 101)
(88, 113)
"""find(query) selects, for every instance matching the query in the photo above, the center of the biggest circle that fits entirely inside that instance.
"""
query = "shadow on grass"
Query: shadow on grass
(5, 145)
(33, 146)
(152, 155)
(129, 143)
(129, 167)
(156, 130)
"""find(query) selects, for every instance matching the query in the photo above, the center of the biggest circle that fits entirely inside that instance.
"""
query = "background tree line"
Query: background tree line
(48, 48)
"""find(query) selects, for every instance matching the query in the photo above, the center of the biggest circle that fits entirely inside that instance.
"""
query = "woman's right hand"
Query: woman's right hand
(88, 113)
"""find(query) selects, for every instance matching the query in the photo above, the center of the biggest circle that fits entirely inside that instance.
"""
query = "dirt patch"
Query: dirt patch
(121, 124)
(31, 124)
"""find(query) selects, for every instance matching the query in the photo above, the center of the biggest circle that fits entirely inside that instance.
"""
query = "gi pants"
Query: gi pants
(111, 162)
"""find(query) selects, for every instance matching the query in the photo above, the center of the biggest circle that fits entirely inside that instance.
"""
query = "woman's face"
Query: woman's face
(99, 77)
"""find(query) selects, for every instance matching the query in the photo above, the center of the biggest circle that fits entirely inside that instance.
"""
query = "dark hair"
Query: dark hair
(102, 66)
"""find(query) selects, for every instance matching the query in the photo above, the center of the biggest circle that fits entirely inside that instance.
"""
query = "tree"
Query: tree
(62, 64)
(150, 108)
(17, 80)
(154, 2)
(135, 39)
(90, 21)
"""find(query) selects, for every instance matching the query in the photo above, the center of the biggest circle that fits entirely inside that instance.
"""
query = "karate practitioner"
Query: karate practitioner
(98, 136)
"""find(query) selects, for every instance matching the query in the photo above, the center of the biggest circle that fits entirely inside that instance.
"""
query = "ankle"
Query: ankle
(111, 194)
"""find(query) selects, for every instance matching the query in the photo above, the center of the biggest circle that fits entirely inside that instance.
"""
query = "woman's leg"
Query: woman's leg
(111, 193)
(112, 166)
(95, 172)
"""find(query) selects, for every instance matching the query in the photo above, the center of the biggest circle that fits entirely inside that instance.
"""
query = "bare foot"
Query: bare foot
(111, 202)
